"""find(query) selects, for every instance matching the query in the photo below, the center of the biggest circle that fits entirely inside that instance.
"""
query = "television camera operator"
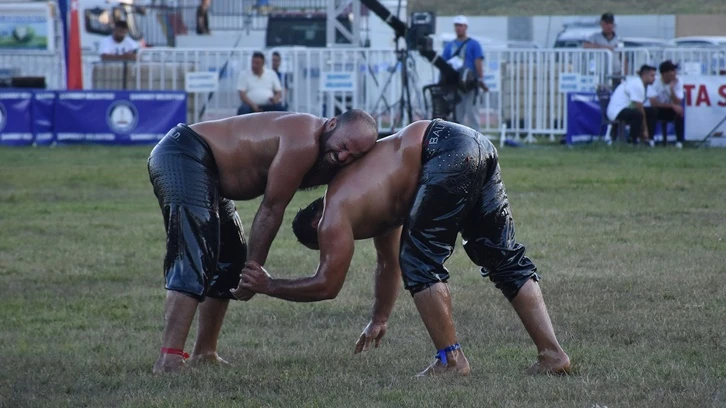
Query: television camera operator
(465, 55)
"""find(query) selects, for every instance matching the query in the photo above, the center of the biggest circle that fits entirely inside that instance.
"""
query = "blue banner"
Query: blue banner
(44, 117)
(117, 117)
(584, 117)
(15, 118)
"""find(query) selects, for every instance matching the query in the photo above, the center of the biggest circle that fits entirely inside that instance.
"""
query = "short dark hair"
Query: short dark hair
(645, 68)
(302, 226)
(667, 66)
(354, 115)
(607, 18)
(258, 54)
(275, 54)
(121, 24)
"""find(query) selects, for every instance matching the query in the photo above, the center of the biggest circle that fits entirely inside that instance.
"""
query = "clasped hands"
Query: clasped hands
(253, 279)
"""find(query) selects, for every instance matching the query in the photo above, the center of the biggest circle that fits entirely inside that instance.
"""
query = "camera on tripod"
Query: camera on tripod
(422, 25)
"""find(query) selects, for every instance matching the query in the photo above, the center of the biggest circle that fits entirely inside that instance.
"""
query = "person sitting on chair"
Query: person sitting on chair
(666, 97)
(259, 89)
(626, 104)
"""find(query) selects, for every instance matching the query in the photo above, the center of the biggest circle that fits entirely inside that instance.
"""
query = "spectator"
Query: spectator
(626, 104)
(276, 62)
(118, 46)
(203, 17)
(608, 39)
(467, 53)
(259, 90)
(666, 97)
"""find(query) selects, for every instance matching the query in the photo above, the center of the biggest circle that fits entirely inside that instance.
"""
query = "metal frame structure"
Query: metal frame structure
(334, 10)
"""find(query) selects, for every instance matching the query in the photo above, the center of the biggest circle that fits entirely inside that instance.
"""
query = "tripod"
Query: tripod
(713, 131)
(409, 80)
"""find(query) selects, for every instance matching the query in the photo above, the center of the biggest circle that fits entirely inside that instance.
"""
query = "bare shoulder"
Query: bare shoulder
(414, 133)
(298, 122)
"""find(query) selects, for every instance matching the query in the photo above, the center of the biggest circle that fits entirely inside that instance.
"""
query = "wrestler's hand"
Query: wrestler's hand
(254, 278)
(374, 332)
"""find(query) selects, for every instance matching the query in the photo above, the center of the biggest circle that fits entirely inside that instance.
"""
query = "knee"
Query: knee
(415, 279)
(510, 286)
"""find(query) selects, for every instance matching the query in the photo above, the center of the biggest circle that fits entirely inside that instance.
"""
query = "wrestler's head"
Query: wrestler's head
(305, 224)
(345, 138)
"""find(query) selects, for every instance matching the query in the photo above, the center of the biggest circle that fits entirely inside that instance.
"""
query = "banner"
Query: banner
(15, 118)
(26, 26)
(117, 117)
(43, 117)
(705, 113)
(584, 118)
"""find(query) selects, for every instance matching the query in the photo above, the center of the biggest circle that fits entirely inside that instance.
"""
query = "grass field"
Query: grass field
(559, 7)
(631, 245)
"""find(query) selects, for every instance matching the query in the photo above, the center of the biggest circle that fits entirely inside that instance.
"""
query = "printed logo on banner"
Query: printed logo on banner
(3, 117)
(122, 117)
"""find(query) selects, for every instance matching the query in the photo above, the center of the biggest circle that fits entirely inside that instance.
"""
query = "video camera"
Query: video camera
(418, 37)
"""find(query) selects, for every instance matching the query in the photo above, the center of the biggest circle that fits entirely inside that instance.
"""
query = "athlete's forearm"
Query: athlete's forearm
(264, 229)
(309, 289)
(387, 286)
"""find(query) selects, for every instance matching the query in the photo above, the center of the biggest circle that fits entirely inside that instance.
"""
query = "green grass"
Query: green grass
(630, 243)
(560, 7)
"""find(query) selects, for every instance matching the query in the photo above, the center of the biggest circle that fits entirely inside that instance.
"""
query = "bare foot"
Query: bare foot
(457, 364)
(168, 363)
(550, 364)
(207, 358)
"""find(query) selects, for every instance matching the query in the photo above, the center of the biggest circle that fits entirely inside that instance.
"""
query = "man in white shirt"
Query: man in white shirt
(259, 89)
(666, 98)
(118, 46)
(626, 104)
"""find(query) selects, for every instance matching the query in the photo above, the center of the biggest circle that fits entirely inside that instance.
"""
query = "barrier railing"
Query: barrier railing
(527, 86)
(37, 64)
(524, 84)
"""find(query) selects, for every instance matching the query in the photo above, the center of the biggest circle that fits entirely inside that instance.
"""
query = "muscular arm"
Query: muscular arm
(388, 275)
(336, 240)
(294, 158)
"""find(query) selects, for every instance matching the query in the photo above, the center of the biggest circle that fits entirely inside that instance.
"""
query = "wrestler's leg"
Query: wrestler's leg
(530, 307)
(434, 306)
(232, 255)
(190, 231)
(427, 240)
(490, 243)
(179, 312)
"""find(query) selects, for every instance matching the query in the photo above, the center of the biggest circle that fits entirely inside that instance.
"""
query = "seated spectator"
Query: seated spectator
(276, 62)
(665, 97)
(626, 104)
(259, 89)
(203, 17)
(118, 46)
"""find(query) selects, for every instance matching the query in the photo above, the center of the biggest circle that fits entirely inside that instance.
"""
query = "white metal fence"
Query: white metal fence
(527, 91)
(524, 84)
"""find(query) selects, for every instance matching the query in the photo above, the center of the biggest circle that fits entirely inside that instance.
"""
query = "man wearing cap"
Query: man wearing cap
(608, 39)
(626, 104)
(665, 97)
(465, 52)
